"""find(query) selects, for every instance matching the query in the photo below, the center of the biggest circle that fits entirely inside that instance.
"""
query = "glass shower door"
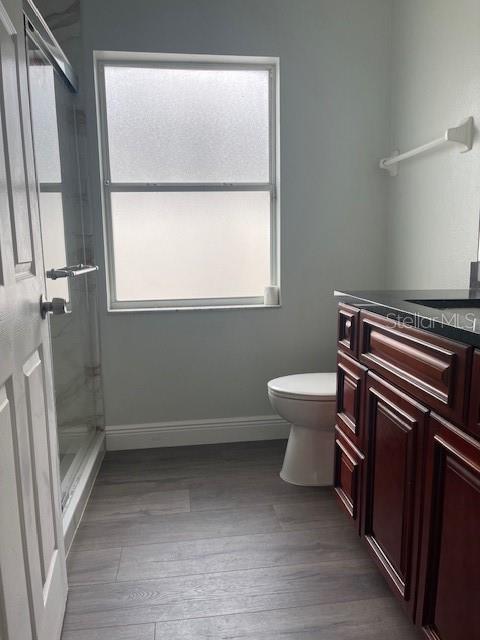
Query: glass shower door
(65, 241)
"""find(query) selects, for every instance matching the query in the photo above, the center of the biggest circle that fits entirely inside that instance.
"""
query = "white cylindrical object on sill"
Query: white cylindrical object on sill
(270, 296)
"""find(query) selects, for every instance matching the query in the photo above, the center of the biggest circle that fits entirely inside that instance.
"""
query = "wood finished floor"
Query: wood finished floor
(197, 543)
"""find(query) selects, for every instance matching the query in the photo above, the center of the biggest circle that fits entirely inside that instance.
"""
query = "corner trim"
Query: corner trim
(190, 432)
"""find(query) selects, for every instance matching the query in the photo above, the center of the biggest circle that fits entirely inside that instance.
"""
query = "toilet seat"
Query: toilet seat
(305, 386)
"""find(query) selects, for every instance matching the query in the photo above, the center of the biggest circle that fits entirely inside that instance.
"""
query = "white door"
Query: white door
(33, 582)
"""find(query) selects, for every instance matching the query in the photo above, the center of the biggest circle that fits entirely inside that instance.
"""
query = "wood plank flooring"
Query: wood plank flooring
(208, 543)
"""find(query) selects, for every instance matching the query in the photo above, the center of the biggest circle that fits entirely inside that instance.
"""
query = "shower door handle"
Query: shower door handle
(71, 272)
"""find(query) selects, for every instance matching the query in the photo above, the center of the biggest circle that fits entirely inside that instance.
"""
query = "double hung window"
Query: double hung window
(189, 164)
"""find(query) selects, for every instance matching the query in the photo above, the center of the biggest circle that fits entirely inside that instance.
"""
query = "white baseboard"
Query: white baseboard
(187, 432)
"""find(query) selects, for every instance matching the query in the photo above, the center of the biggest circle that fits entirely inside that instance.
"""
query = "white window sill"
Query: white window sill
(200, 308)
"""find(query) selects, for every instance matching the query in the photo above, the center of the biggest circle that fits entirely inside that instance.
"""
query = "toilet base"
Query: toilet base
(309, 457)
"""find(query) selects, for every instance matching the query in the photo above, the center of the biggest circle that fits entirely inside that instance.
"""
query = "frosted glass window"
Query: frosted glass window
(189, 167)
(44, 117)
(187, 125)
(191, 245)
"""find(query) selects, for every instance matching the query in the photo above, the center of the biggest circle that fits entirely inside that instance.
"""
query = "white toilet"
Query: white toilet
(307, 401)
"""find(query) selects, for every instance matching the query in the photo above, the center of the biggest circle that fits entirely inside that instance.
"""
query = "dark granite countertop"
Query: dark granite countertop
(453, 313)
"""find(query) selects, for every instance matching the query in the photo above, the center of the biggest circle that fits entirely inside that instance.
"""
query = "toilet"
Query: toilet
(307, 401)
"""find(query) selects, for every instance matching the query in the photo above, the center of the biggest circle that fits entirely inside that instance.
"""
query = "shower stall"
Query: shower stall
(58, 135)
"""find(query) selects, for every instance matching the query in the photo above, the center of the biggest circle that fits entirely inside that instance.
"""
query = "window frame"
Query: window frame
(106, 59)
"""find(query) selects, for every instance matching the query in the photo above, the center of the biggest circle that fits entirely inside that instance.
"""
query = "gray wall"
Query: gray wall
(434, 201)
(334, 127)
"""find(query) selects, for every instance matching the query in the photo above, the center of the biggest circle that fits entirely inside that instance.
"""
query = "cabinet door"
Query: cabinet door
(449, 585)
(350, 395)
(395, 431)
(347, 476)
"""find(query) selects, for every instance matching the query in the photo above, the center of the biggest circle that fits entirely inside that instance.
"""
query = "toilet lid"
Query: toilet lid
(306, 386)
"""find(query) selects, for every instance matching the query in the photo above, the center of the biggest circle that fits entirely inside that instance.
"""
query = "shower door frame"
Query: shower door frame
(38, 31)
(76, 484)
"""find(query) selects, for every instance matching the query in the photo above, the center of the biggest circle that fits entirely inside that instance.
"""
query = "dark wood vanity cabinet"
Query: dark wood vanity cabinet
(407, 467)
(449, 577)
(395, 428)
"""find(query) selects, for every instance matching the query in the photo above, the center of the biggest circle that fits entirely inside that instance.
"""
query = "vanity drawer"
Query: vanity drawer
(431, 368)
(348, 328)
(350, 398)
(347, 471)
